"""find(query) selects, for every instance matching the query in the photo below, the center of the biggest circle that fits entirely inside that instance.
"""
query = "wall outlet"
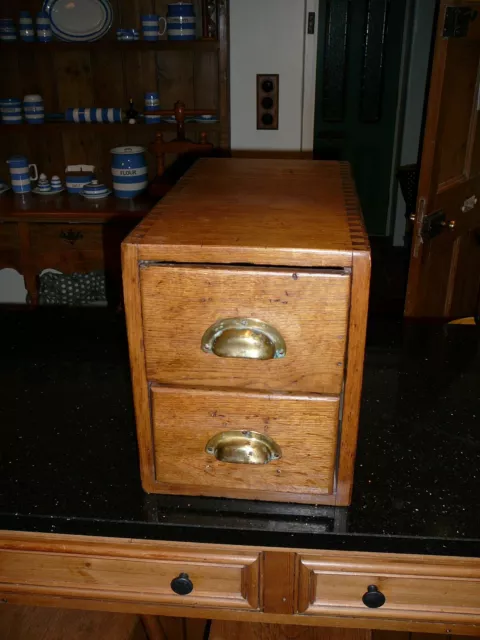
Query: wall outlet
(267, 100)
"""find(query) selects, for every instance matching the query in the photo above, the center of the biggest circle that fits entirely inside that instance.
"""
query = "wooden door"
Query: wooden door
(358, 71)
(444, 276)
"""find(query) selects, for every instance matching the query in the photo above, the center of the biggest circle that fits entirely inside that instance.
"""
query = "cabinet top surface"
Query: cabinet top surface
(70, 461)
(292, 212)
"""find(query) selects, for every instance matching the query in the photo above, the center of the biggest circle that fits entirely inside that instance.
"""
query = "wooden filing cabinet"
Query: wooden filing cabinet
(246, 294)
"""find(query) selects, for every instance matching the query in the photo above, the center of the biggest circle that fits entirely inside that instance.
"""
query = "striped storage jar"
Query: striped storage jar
(129, 171)
(181, 21)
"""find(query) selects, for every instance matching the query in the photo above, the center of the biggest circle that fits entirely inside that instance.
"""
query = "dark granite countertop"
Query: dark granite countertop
(69, 459)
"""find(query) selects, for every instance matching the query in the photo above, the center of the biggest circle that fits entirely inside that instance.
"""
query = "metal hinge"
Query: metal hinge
(311, 23)
(457, 20)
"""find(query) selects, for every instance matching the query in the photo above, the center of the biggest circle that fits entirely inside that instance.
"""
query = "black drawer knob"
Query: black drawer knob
(182, 584)
(373, 598)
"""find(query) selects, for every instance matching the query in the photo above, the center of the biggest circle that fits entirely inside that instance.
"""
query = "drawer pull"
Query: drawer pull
(243, 447)
(243, 338)
(182, 585)
(373, 598)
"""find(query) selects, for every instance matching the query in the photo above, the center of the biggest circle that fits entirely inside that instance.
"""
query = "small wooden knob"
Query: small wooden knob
(373, 598)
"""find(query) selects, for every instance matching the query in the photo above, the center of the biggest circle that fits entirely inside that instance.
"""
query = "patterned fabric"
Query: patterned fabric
(72, 290)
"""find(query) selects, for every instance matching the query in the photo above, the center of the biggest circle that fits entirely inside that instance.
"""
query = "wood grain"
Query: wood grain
(256, 631)
(308, 308)
(304, 427)
(416, 588)
(141, 399)
(230, 580)
(270, 212)
(38, 623)
(444, 274)
(279, 582)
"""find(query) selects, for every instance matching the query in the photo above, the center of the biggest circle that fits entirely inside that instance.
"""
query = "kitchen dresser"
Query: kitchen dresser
(97, 541)
(105, 73)
(246, 296)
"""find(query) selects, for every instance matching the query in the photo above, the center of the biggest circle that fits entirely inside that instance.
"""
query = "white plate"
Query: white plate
(47, 193)
(79, 20)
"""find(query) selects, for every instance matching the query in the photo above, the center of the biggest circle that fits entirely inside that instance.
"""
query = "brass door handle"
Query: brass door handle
(243, 447)
(243, 338)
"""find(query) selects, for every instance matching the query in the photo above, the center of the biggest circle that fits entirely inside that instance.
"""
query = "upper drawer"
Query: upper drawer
(309, 309)
(414, 587)
(66, 237)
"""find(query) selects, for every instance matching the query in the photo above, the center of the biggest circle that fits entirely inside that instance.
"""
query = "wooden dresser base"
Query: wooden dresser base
(423, 593)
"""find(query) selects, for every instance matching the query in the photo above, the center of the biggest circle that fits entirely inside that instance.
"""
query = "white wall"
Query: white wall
(266, 36)
(423, 24)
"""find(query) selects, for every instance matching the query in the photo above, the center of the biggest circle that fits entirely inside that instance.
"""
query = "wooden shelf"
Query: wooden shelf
(70, 208)
(39, 129)
(136, 45)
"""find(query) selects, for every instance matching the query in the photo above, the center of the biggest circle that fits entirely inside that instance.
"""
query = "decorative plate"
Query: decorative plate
(79, 20)
(206, 119)
(52, 192)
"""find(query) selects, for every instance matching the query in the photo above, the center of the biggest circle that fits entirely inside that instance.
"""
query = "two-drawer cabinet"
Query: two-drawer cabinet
(246, 295)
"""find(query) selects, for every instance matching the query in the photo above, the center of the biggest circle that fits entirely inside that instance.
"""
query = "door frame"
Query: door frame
(309, 78)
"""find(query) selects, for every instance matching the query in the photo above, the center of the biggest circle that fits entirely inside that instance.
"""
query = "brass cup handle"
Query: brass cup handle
(243, 447)
(243, 338)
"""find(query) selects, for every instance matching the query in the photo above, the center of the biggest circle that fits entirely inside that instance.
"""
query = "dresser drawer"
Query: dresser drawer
(66, 237)
(302, 430)
(141, 573)
(308, 308)
(414, 587)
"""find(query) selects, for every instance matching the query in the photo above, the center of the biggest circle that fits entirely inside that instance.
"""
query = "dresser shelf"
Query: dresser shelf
(40, 129)
(136, 45)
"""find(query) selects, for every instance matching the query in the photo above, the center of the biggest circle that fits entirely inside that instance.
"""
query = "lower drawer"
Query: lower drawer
(414, 587)
(207, 440)
(134, 573)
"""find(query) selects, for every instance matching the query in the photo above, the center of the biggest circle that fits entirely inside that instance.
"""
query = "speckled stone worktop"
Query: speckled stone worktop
(69, 459)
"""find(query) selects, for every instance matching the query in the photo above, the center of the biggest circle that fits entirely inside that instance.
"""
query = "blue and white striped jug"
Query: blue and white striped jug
(129, 171)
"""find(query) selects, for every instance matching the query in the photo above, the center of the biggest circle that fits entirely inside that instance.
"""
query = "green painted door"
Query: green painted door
(357, 90)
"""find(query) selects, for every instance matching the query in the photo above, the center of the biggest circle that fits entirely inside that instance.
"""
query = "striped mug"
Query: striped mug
(181, 21)
(20, 174)
(129, 171)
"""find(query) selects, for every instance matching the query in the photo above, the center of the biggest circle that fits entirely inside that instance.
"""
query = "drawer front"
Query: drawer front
(308, 309)
(418, 588)
(66, 237)
(219, 580)
(303, 428)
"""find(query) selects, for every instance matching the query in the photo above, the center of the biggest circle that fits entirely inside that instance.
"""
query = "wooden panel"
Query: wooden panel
(279, 582)
(308, 308)
(424, 588)
(66, 237)
(38, 623)
(256, 631)
(373, 60)
(304, 427)
(335, 60)
(223, 580)
(243, 211)
(9, 246)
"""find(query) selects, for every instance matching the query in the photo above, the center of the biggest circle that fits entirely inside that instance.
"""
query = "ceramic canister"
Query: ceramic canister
(152, 101)
(129, 171)
(181, 21)
(150, 27)
(11, 111)
(25, 24)
(77, 176)
(7, 30)
(44, 29)
(34, 109)
(20, 174)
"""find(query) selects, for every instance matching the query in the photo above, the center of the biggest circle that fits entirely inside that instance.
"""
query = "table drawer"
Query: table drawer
(298, 433)
(415, 587)
(308, 308)
(142, 573)
(66, 237)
